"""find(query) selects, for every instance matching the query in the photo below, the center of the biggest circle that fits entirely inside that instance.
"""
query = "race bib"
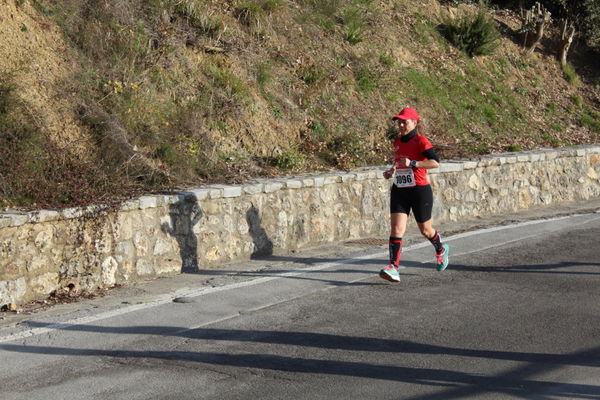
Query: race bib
(405, 177)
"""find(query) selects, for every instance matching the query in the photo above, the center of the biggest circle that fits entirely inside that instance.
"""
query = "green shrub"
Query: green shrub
(249, 13)
(366, 80)
(354, 20)
(263, 75)
(473, 33)
(577, 100)
(311, 74)
(290, 159)
(551, 108)
(571, 75)
(591, 121)
(386, 60)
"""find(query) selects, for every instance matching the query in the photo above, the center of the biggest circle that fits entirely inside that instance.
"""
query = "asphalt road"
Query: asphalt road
(515, 316)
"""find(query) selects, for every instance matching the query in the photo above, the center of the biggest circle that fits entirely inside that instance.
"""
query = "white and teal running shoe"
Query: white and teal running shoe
(442, 258)
(390, 273)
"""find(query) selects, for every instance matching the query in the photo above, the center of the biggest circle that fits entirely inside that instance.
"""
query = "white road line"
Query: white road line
(196, 292)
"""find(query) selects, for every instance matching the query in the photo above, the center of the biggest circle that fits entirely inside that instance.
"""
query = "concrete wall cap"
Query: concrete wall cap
(308, 182)
(451, 166)
(254, 188)
(348, 176)
(44, 216)
(200, 193)
(293, 183)
(17, 218)
(129, 205)
(273, 186)
(147, 202)
(330, 179)
(231, 191)
(74, 212)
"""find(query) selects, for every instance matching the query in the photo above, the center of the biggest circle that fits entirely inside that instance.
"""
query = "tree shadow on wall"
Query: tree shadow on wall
(263, 246)
(185, 214)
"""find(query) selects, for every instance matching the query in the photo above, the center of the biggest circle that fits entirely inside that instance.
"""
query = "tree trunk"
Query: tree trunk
(567, 34)
(542, 18)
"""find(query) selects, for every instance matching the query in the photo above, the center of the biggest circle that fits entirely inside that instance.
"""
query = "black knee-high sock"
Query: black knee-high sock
(395, 250)
(436, 241)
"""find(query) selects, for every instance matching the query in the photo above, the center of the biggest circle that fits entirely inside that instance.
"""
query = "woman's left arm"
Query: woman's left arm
(427, 164)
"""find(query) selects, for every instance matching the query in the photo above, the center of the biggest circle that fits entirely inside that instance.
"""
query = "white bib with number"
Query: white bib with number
(405, 177)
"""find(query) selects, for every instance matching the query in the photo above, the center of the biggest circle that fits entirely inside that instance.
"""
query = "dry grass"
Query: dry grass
(208, 90)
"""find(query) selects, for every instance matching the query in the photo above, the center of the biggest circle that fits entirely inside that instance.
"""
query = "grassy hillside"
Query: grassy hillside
(101, 100)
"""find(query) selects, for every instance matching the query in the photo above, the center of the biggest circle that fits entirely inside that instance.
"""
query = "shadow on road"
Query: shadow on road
(328, 341)
(514, 382)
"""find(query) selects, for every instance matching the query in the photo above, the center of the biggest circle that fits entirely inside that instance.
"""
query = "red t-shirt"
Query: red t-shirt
(413, 150)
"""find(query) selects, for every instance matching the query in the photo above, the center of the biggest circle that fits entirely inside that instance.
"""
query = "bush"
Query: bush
(571, 75)
(473, 33)
(591, 121)
(290, 159)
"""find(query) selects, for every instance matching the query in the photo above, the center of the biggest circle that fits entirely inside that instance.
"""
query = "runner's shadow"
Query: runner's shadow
(184, 215)
(263, 246)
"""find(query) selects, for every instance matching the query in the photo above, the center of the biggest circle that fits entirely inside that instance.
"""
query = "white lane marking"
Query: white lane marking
(196, 292)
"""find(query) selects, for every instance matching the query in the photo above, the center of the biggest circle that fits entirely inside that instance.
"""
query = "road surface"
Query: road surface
(515, 316)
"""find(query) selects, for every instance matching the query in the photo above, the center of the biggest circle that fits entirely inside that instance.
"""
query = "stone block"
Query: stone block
(273, 186)
(331, 179)
(43, 216)
(215, 191)
(293, 183)
(17, 219)
(130, 205)
(147, 202)
(109, 272)
(347, 177)
(308, 182)
(254, 188)
(199, 194)
(5, 221)
(362, 175)
(451, 167)
(12, 291)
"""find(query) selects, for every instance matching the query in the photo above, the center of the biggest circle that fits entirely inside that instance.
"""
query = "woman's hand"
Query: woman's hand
(389, 173)
(404, 162)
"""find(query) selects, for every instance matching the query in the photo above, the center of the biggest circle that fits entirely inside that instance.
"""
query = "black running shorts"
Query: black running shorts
(418, 198)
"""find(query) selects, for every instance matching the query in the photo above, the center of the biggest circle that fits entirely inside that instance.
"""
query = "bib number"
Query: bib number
(405, 177)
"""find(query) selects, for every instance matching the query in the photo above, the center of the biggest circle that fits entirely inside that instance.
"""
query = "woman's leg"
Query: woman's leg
(399, 221)
(398, 228)
(441, 250)
(427, 229)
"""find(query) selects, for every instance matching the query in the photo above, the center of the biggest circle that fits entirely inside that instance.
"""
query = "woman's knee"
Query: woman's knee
(427, 229)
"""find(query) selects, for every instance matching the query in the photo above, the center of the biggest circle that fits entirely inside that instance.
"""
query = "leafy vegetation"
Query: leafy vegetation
(473, 32)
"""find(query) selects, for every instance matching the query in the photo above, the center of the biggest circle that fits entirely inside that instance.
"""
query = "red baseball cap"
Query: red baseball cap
(407, 113)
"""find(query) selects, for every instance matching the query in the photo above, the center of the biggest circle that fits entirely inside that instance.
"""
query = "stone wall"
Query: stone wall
(162, 235)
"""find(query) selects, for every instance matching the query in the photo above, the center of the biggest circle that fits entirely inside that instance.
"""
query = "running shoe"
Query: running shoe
(390, 273)
(442, 258)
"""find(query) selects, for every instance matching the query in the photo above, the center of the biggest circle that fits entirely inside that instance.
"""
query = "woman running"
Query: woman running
(413, 156)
